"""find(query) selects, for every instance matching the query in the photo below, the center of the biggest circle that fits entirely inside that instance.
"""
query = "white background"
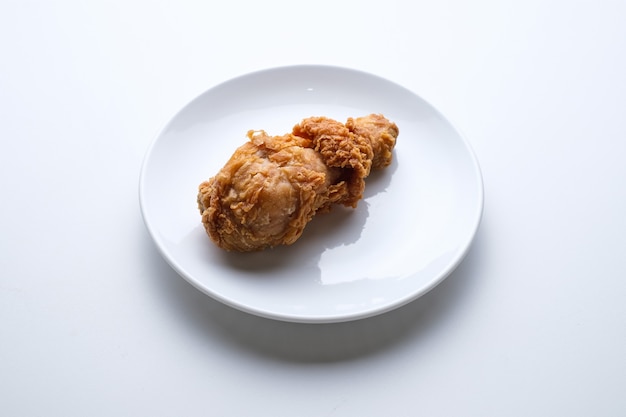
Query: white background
(94, 323)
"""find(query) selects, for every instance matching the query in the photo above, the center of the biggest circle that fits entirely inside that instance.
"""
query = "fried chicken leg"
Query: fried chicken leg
(272, 186)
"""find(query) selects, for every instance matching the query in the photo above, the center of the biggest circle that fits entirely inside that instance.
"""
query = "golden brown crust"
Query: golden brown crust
(272, 186)
(380, 132)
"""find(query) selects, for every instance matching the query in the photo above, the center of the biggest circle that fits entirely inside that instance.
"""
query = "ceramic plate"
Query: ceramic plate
(413, 227)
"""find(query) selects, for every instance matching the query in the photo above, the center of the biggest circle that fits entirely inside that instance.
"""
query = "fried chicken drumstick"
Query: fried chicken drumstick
(272, 186)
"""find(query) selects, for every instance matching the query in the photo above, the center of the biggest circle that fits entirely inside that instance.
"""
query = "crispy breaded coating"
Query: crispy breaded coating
(272, 186)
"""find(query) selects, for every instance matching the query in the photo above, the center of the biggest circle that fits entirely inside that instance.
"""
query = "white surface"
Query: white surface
(532, 323)
(412, 228)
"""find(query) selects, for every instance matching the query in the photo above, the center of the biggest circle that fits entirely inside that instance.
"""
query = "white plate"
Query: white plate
(414, 226)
